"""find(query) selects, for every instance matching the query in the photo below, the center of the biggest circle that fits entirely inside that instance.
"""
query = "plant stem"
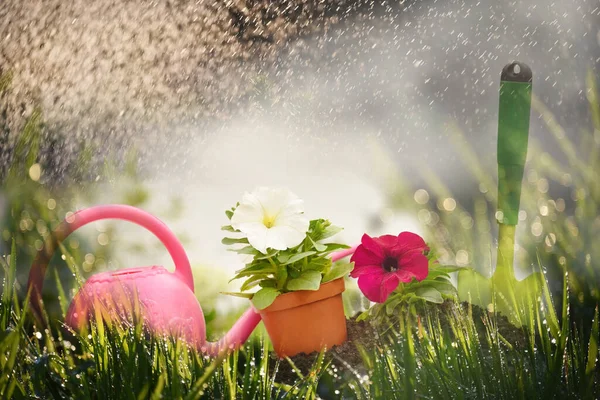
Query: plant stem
(272, 263)
(280, 276)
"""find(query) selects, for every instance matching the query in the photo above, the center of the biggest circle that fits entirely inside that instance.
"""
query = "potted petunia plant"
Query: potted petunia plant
(297, 283)
(397, 272)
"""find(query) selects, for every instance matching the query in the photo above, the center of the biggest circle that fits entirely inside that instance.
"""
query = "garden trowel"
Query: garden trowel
(502, 292)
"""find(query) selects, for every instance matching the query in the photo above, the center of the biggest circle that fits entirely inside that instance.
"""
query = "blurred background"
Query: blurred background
(381, 115)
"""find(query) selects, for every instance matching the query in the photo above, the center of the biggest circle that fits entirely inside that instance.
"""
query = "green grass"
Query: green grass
(427, 353)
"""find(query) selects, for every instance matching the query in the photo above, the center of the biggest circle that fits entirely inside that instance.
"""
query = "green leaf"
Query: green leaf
(239, 294)
(446, 268)
(336, 246)
(363, 316)
(330, 231)
(430, 294)
(318, 246)
(283, 257)
(441, 278)
(265, 297)
(252, 281)
(338, 270)
(261, 266)
(299, 256)
(246, 250)
(262, 269)
(444, 287)
(268, 283)
(393, 303)
(271, 254)
(318, 264)
(293, 272)
(441, 284)
(230, 241)
(308, 280)
(229, 214)
(263, 275)
(443, 271)
(592, 347)
(228, 228)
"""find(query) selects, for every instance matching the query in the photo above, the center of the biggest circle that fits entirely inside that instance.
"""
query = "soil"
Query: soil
(347, 357)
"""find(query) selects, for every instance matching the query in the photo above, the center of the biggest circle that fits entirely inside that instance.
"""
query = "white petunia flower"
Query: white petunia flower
(271, 218)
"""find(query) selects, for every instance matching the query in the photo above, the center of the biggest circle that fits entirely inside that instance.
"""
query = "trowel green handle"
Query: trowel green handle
(513, 132)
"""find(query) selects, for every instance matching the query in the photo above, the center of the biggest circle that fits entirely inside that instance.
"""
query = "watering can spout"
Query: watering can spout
(237, 335)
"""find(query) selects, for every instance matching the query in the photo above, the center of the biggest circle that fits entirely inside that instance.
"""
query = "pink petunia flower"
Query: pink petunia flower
(381, 263)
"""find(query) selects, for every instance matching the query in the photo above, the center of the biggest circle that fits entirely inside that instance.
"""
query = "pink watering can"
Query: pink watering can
(165, 300)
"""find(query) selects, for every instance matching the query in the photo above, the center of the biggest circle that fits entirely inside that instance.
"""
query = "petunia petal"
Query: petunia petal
(413, 264)
(378, 285)
(372, 245)
(298, 222)
(275, 200)
(408, 241)
(246, 213)
(387, 242)
(293, 206)
(257, 236)
(365, 269)
(284, 237)
(363, 257)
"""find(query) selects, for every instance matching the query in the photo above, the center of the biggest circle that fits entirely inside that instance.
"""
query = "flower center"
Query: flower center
(390, 264)
(269, 221)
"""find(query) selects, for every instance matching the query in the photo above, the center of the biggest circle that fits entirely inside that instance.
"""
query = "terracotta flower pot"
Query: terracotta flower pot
(306, 320)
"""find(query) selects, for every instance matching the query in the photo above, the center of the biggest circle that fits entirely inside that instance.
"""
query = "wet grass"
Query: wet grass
(124, 362)
(419, 354)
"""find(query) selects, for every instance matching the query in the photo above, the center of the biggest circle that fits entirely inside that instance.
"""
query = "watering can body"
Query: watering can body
(164, 300)
(166, 304)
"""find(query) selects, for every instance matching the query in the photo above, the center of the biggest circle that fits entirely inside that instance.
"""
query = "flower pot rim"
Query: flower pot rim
(303, 297)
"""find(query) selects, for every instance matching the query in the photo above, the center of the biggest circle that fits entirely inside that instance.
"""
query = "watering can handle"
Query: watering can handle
(114, 211)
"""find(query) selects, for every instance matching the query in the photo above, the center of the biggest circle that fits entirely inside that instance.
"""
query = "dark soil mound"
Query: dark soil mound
(348, 359)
